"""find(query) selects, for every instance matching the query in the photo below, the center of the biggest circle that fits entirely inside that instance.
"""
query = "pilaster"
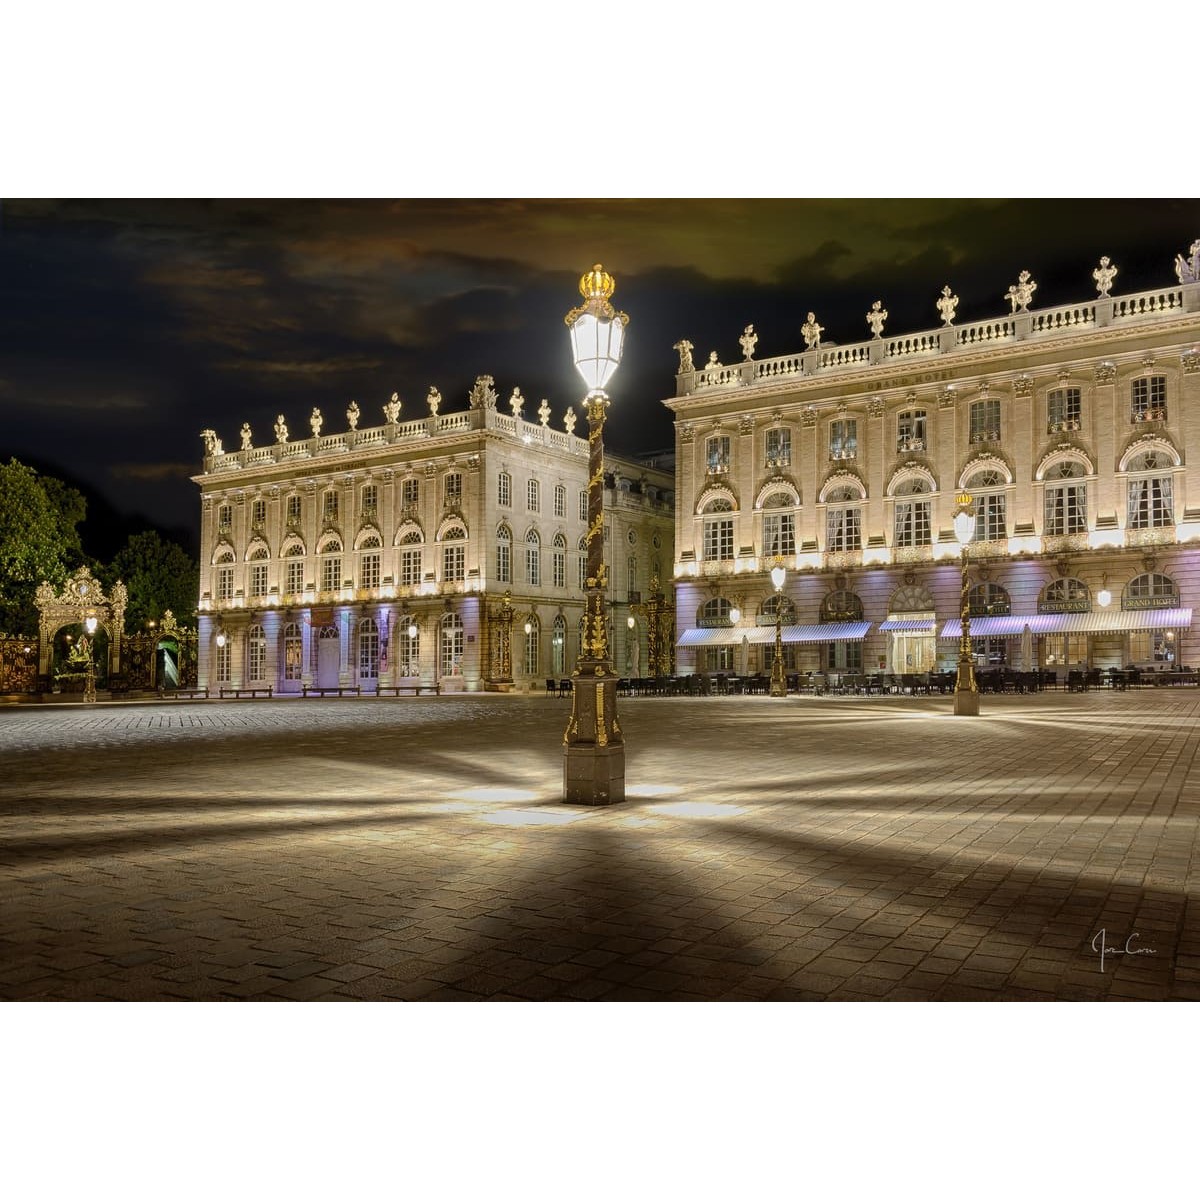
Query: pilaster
(1109, 428)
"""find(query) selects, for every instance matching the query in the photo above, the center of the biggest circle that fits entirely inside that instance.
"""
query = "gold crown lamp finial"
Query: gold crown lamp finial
(597, 283)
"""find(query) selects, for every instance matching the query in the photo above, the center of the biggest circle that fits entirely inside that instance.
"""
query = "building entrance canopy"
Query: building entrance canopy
(1106, 621)
(764, 635)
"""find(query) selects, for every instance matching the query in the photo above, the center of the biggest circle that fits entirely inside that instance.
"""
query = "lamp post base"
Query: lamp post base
(593, 748)
(966, 703)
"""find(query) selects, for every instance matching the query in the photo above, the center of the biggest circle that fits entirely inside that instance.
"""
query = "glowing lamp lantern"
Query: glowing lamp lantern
(964, 526)
(221, 641)
(1104, 596)
(735, 614)
(91, 623)
(597, 331)
(412, 631)
(778, 575)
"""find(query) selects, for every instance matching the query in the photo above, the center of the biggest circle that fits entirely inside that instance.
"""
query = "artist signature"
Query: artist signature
(1101, 946)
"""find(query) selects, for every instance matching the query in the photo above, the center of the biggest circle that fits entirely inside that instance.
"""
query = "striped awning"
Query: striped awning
(1104, 621)
(761, 635)
(906, 626)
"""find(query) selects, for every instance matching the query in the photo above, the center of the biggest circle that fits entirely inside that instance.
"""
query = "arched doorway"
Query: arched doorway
(328, 656)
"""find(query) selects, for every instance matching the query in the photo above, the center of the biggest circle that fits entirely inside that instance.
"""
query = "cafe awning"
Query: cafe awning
(1104, 621)
(908, 626)
(759, 635)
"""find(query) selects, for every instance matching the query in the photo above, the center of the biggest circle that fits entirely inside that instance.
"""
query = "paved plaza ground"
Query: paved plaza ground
(797, 849)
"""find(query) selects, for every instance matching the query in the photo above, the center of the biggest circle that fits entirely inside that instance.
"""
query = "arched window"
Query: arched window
(560, 500)
(583, 553)
(330, 555)
(841, 605)
(293, 651)
(504, 489)
(408, 641)
(293, 569)
(988, 600)
(560, 561)
(714, 613)
(913, 515)
(259, 558)
(224, 579)
(1065, 596)
(454, 554)
(779, 526)
(780, 605)
(224, 661)
(370, 561)
(368, 649)
(1066, 499)
(452, 640)
(718, 529)
(256, 654)
(533, 559)
(987, 490)
(410, 558)
(1152, 590)
(532, 638)
(843, 518)
(558, 647)
(1150, 500)
(504, 554)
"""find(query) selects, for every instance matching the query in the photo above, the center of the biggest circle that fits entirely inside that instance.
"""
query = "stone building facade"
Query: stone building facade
(444, 549)
(1076, 430)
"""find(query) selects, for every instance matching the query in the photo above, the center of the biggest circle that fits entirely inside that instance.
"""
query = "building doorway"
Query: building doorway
(329, 658)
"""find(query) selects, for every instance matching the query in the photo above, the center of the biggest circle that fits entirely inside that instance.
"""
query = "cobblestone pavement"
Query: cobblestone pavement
(770, 849)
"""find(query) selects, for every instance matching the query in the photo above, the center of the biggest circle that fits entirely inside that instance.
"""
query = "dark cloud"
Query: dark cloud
(126, 327)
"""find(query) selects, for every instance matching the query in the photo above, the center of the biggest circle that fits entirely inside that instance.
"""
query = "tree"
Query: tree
(158, 575)
(39, 540)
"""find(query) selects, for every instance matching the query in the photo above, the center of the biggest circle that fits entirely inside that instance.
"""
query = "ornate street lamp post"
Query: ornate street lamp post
(89, 687)
(778, 679)
(966, 693)
(593, 746)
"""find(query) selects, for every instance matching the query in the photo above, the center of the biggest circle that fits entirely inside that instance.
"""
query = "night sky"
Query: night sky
(127, 327)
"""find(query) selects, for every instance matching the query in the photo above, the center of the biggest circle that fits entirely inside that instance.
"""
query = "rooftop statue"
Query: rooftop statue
(247, 436)
(209, 437)
(1104, 275)
(516, 402)
(569, 420)
(1021, 292)
(685, 349)
(391, 410)
(811, 332)
(946, 306)
(1187, 270)
(483, 394)
(281, 432)
(544, 411)
(876, 318)
(748, 341)
(316, 420)
(714, 364)
(352, 414)
(434, 399)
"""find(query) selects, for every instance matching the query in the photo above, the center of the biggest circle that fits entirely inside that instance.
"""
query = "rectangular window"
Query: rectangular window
(504, 561)
(989, 518)
(717, 455)
(454, 560)
(331, 573)
(329, 506)
(504, 489)
(368, 651)
(533, 565)
(843, 439)
(1066, 509)
(583, 506)
(531, 651)
(985, 421)
(1063, 408)
(410, 650)
(912, 523)
(1149, 399)
(258, 579)
(258, 514)
(779, 534)
(779, 447)
(224, 583)
(560, 569)
(293, 655)
(256, 658)
(718, 539)
(410, 568)
(910, 431)
(560, 501)
(224, 662)
(225, 518)
(295, 576)
(842, 529)
(293, 510)
(843, 656)
(533, 496)
(582, 571)
(370, 571)
(411, 492)
(1150, 503)
(370, 499)
(453, 489)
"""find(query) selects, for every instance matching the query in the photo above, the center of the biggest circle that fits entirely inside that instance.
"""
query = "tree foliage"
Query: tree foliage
(38, 540)
(158, 575)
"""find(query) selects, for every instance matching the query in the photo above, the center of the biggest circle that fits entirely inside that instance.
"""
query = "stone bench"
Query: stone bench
(238, 692)
(331, 691)
(415, 689)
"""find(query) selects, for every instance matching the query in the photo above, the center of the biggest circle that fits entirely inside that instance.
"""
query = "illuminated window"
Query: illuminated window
(452, 644)
(843, 519)
(225, 662)
(532, 638)
(989, 600)
(718, 530)
(504, 554)
(778, 447)
(717, 453)
(559, 560)
(533, 496)
(368, 649)
(1148, 399)
(560, 500)
(583, 505)
(258, 514)
(843, 439)
(256, 654)
(258, 573)
(779, 527)
(370, 499)
(1066, 499)
(411, 492)
(410, 647)
(1063, 409)
(1150, 505)
(985, 421)
(504, 489)
(533, 559)
(452, 493)
(910, 431)
(583, 564)
(293, 651)
(454, 555)
(913, 524)
(329, 505)
(369, 569)
(294, 509)
(987, 489)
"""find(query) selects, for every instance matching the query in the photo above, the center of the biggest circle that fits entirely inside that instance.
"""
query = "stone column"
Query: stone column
(1106, 414)
(272, 623)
